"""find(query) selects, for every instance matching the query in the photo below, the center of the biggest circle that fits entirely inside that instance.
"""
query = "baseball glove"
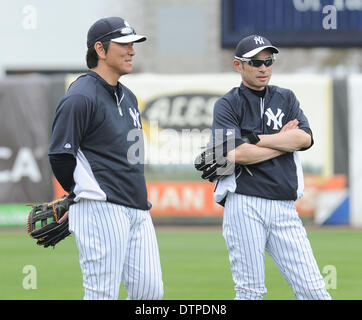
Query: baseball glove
(43, 222)
(213, 165)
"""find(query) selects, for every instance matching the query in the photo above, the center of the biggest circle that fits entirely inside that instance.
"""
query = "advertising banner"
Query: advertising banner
(183, 198)
(24, 139)
(177, 113)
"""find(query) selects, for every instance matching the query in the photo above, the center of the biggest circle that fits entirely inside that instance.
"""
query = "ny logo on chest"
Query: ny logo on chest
(136, 117)
(275, 118)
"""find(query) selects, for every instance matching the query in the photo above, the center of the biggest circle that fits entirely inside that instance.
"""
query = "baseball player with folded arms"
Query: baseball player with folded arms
(259, 211)
(96, 123)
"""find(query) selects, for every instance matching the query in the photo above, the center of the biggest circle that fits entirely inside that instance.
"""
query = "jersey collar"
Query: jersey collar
(105, 84)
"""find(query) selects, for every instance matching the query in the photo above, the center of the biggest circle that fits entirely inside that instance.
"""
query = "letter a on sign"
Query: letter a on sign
(330, 20)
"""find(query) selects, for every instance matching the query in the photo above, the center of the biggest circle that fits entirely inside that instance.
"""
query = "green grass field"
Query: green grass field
(194, 262)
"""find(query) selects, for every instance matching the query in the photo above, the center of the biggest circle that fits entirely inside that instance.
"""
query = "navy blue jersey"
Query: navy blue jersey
(240, 112)
(100, 126)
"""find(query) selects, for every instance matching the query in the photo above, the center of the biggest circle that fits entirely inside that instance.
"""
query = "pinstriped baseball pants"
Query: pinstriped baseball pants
(116, 244)
(253, 226)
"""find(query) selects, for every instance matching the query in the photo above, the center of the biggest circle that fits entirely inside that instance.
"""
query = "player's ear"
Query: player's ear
(237, 65)
(98, 47)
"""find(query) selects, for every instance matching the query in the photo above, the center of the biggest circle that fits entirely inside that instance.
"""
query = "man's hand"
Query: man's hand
(293, 124)
(289, 139)
(64, 217)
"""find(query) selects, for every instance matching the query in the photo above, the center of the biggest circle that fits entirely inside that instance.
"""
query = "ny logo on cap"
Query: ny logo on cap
(258, 40)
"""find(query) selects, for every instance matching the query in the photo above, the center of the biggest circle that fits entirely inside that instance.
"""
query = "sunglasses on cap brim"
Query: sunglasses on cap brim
(124, 31)
(257, 62)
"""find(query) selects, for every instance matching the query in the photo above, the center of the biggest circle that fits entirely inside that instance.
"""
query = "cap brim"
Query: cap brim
(254, 52)
(130, 38)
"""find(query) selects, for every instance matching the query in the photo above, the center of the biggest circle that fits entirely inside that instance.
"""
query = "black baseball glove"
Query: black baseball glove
(43, 222)
(214, 165)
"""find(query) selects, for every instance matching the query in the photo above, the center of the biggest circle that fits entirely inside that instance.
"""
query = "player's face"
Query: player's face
(119, 57)
(255, 78)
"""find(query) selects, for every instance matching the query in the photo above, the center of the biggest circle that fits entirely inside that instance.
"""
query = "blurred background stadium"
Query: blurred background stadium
(184, 66)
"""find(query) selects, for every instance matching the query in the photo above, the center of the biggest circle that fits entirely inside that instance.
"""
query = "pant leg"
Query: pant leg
(142, 275)
(291, 251)
(101, 231)
(245, 236)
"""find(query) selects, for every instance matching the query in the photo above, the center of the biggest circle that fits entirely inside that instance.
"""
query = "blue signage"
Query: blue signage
(290, 23)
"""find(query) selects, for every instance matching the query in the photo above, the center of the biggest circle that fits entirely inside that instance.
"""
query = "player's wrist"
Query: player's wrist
(251, 138)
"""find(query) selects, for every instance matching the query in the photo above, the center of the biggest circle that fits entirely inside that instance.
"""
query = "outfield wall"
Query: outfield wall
(355, 148)
(176, 114)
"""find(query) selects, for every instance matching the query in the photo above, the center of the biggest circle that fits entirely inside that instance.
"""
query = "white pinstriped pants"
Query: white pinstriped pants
(116, 244)
(252, 226)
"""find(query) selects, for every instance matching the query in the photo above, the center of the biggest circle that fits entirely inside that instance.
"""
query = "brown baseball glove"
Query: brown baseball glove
(43, 222)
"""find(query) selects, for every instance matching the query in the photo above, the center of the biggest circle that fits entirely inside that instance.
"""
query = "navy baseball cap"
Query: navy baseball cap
(252, 45)
(113, 29)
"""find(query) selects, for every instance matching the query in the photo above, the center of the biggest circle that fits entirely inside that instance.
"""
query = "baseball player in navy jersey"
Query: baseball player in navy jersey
(258, 199)
(95, 124)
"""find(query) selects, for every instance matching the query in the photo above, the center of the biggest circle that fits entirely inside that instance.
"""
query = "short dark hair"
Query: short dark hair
(92, 56)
